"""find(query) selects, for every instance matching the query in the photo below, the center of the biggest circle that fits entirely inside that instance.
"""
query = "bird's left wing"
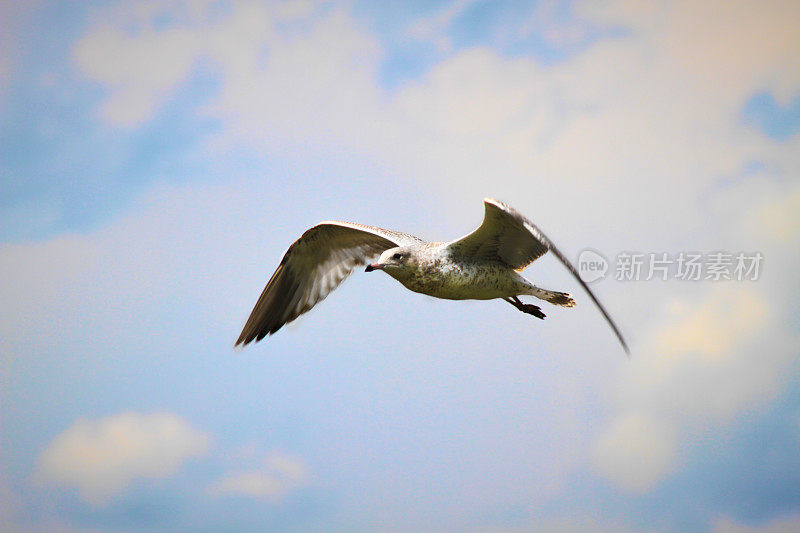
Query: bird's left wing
(313, 266)
(508, 237)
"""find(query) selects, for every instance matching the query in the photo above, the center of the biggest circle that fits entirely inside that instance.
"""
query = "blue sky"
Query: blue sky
(157, 158)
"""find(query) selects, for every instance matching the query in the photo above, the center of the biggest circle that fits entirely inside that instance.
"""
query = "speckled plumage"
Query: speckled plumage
(481, 265)
(441, 275)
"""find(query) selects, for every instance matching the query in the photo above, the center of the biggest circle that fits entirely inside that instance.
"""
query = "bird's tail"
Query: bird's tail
(563, 299)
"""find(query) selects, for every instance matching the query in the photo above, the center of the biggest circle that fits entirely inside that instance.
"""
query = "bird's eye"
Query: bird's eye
(397, 256)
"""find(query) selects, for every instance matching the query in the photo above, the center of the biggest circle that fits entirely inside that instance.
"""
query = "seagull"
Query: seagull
(482, 265)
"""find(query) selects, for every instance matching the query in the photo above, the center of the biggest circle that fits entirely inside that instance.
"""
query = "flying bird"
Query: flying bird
(482, 265)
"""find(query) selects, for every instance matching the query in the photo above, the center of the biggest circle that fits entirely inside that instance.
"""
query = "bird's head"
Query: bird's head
(398, 262)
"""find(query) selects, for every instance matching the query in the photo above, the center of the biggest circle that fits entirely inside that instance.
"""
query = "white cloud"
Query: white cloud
(728, 48)
(715, 354)
(316, 86)
(776, 217)
(271, 84)
(626, 117)
(137, 83)
(635, 451)
(102, 457)
(703, 348)
(276, 476)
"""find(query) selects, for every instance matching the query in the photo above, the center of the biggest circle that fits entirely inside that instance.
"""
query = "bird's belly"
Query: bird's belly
(464, 283)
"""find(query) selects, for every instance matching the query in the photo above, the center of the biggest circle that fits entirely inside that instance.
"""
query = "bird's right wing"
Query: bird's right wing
(312, 267)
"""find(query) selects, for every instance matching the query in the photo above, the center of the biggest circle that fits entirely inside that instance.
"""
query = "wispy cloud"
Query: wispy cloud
(277, 475)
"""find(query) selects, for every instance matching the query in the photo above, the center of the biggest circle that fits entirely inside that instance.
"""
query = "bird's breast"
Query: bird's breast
(451, 280)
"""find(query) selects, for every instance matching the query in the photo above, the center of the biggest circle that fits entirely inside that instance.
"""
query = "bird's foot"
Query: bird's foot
(534, 310)
(529, 309)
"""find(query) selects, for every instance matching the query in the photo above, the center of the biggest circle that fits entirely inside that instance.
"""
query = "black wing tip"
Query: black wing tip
(254, 336)
(625, 347)
(614, 328)
(241, 342)
(247, 335)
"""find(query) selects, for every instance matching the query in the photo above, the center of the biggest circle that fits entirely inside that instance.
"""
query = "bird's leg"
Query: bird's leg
(530, 309)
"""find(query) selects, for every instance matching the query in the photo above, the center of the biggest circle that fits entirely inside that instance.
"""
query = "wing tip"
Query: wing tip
(242, 341)
(625, 347)
(620, 338)
(507, 209)
(493, 201)
(254, 336)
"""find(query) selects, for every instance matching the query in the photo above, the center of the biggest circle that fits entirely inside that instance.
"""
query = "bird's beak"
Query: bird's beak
(374, 266)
